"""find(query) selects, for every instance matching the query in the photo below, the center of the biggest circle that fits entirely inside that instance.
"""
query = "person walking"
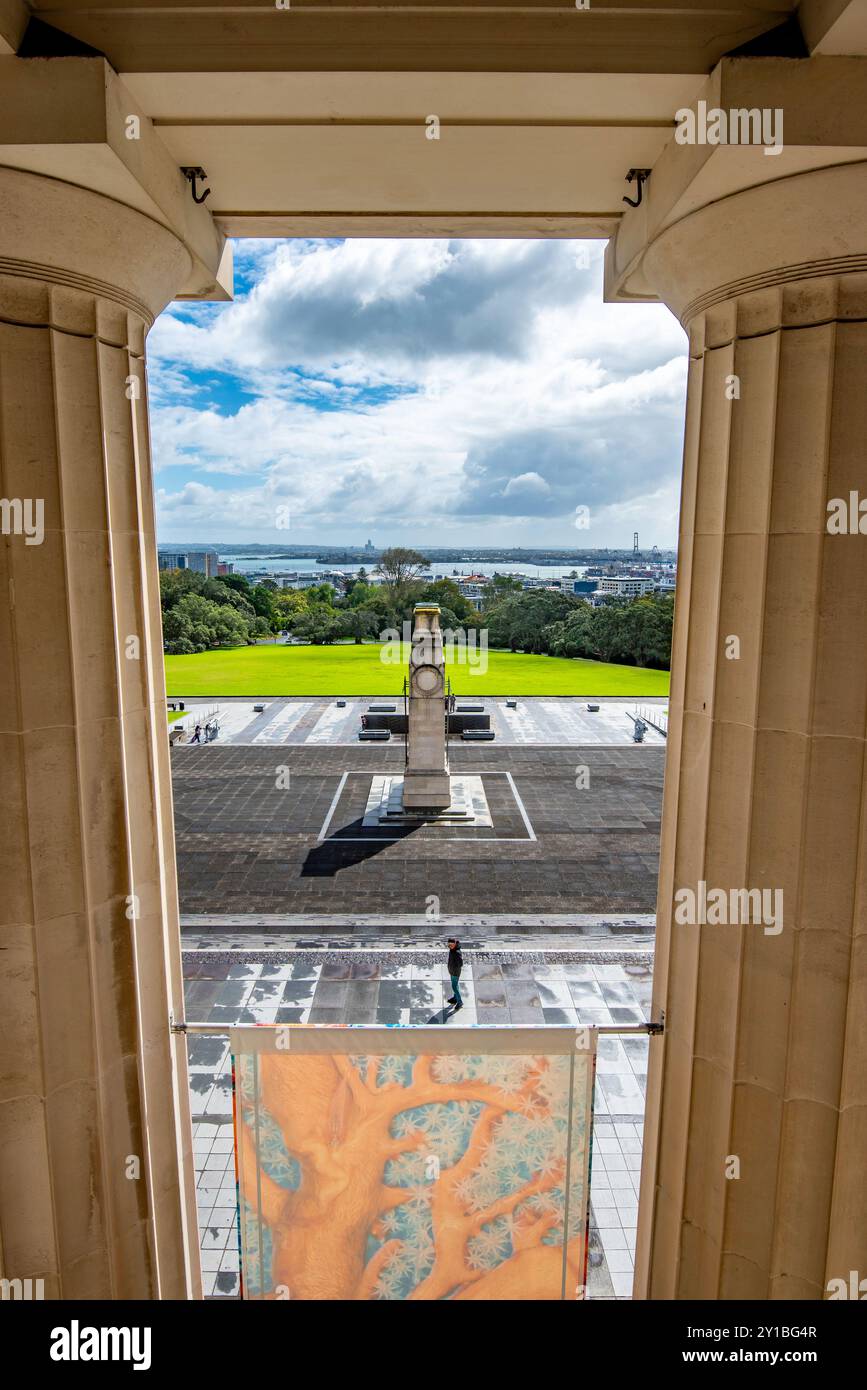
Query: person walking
(197, 736)
(456, 965)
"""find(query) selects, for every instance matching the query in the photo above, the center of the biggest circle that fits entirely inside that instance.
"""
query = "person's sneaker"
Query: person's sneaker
(458, 1006)
(452, 999)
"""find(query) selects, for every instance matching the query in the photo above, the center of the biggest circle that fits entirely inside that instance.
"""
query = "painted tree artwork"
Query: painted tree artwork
(413, 1176)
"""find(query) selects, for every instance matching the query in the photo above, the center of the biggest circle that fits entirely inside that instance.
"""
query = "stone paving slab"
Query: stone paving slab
(248, 819)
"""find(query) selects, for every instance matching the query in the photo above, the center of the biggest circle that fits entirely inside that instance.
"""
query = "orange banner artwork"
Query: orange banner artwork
(413, 1163)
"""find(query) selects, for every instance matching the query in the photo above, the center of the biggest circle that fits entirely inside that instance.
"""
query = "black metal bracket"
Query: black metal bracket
(193, 175)
(641, 175)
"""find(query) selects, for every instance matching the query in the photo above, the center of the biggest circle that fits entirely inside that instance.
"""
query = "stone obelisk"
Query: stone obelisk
(426, 780)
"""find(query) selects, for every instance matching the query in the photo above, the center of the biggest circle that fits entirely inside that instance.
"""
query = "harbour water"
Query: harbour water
(441, 569)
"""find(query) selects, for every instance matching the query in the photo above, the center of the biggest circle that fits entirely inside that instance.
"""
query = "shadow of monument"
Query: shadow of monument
(335, 854)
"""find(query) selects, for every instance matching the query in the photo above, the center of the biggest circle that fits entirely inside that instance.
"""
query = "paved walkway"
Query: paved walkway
(322, 722)
(360, 988)
(564, 937)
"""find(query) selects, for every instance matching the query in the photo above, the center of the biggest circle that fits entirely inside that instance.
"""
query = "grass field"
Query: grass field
(354, 670)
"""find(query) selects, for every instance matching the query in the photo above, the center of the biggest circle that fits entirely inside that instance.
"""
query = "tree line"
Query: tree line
(201, 613)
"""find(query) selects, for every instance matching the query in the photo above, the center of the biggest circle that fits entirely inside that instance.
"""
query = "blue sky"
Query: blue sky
(419, 391)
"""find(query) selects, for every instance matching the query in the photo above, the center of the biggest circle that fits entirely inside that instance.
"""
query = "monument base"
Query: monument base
(466, 805)
(426, 791)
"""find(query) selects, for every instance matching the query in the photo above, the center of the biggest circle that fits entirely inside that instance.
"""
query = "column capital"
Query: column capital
(74, 121)
(54, 233)
(719, 220)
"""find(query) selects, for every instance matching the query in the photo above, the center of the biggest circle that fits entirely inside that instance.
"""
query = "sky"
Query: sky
(412, 392)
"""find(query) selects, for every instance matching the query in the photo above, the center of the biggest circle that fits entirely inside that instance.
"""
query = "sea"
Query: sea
(441, 569)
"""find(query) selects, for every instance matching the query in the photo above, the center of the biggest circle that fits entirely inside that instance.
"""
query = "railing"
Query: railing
(649, 1029)
(657, 721)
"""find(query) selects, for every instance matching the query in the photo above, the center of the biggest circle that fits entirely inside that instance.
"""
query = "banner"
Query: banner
(413, 1163)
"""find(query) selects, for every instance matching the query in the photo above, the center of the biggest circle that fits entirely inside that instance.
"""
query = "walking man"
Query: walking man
(456, 965)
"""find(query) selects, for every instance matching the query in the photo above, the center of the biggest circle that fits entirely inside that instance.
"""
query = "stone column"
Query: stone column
(96, 1178)
(426, 784)
(762, 1070)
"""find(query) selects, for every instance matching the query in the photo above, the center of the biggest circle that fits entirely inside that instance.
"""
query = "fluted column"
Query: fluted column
(753, 1183)
(96, 1186)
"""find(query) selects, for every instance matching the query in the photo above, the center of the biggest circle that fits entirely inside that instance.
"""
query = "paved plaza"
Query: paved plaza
(356, 987)
(325, 723)
(574, 830)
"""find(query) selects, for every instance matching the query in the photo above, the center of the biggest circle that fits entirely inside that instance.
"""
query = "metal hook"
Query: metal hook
(192, 175)
(641, 175)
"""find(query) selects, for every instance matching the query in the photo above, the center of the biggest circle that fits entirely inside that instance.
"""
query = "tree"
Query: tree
(320, 593)
(446, 593)
(360, 592)
(288, 603)
(518, 622)
(354, 579)
(193, 621)
(400, 568)
(574, 636)
(239, 599)
(239, 582)
(359, 623)
(500, 587)
(262, 600)
(178, 633)
(319, 624)
(428, 1177)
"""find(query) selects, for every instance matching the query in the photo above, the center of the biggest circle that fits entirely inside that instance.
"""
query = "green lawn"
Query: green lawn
(353, 670)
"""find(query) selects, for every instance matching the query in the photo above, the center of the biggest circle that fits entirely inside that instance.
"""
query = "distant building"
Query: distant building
(473, 586)
(295, 579)
(205, 562)
(583, 586)
(225, 568)
(172, 560)
(625, 586)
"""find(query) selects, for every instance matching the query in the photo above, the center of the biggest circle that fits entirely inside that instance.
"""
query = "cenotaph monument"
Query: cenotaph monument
(426, 784)
(426, 793)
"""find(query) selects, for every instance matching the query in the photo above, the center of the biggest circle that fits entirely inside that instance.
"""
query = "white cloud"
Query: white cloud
(419, 390)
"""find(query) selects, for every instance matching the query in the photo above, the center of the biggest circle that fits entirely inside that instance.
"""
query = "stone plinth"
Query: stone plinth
(468, 804)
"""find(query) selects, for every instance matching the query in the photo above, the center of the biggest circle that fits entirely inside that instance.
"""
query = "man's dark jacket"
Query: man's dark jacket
(456, 961)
